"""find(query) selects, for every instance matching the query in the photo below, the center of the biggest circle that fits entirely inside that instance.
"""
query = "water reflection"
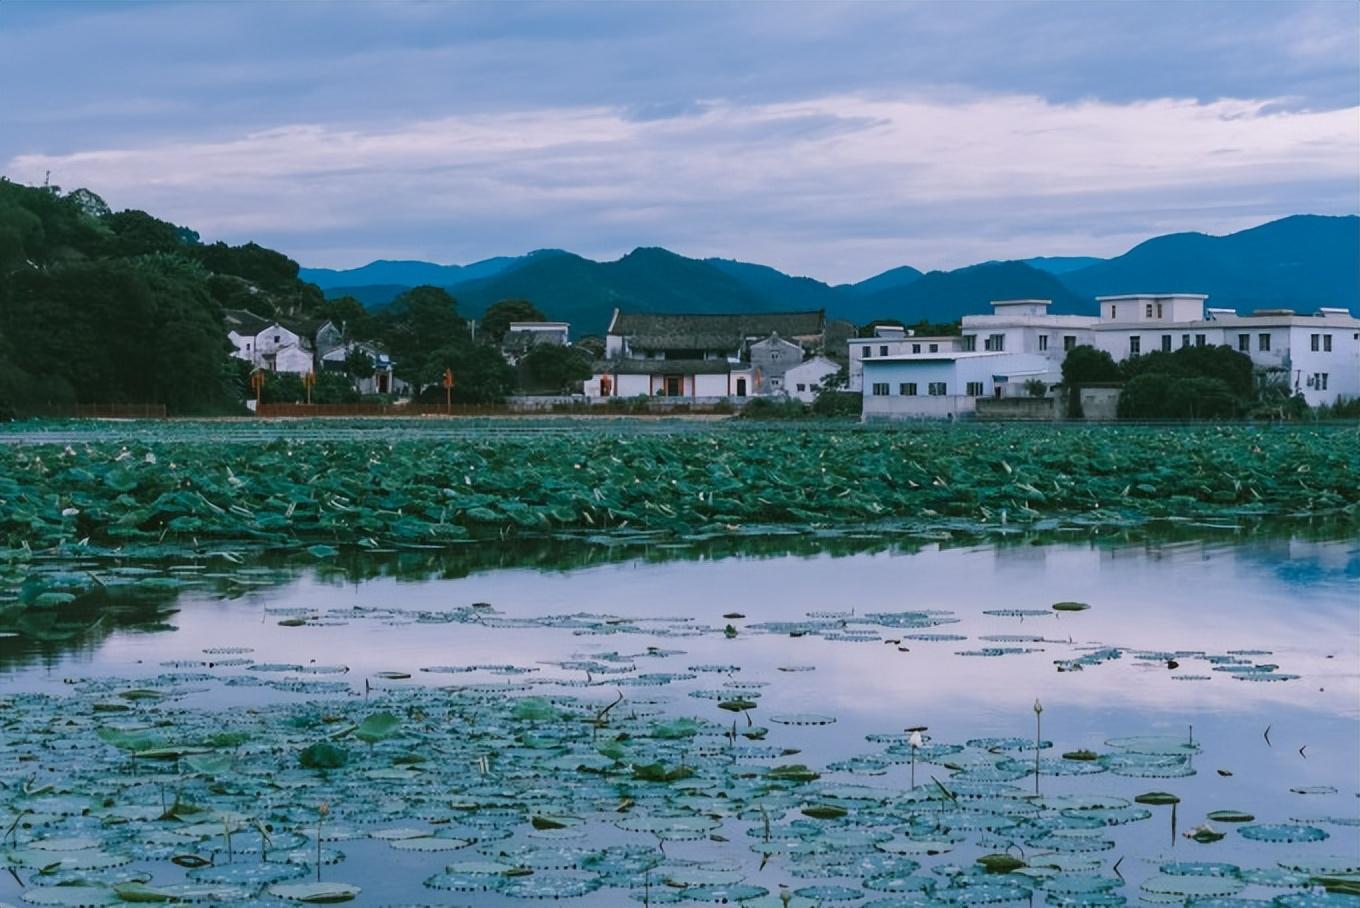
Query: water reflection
(141, 599)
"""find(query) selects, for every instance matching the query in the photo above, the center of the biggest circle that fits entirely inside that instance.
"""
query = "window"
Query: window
(1200, 340)
(1244, 343)
(975, 389)
(969, 343)
(1316, 342)
(1043, 342)
(995, 342)
(1321, 381)
(1185, 340)
(880, 389)
(883, 350)
(1166, 343)
(1159, 310)
(1263, 342)
(868, 351)
(802, 386)
(915, 348)
(935, 348)
(907, 389)
(1326, 343)
(1135, 345)
(937, 389)
(1148, 313)
(276, 338)
(1114, 310)
(1069, 342)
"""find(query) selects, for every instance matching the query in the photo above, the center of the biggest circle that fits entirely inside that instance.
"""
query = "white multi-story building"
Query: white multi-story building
(892, 340)
(1317, 355)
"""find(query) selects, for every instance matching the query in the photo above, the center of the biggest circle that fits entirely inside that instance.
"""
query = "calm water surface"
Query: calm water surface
(1291, 603)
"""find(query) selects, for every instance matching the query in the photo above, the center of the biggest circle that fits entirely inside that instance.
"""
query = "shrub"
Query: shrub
(834, 404)
(774, 408)
(1162, 395)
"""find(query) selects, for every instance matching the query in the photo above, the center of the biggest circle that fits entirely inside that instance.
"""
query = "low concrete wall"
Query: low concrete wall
(905, 407)
(1100, 403)
(1017, 408)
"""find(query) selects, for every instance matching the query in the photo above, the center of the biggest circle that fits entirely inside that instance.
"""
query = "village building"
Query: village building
(300, 347)
(891, 340)
(998, 354)
(704, 357)
(521, 337)
(772, 357)
(378, 378)
(807, 379)
(271, 344)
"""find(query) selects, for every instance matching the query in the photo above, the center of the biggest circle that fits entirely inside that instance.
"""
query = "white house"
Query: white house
(521, 337)
(1317, 355)
(242, 328)
(270, 344)
(891, 340)
(805, 380)
(705, 358)
(947, 385)
(381, 381)
(699, 380)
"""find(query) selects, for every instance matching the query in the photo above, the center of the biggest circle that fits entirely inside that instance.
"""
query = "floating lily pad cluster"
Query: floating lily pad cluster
(123, 791)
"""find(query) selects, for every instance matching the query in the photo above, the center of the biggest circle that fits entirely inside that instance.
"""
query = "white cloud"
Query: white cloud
(838, 187)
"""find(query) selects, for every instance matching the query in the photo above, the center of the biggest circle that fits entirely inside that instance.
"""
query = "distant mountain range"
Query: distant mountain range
(1300, 262)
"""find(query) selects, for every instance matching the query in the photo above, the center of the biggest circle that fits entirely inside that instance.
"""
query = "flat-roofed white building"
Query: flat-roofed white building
(1317, 355)
(948, 385)
(892, 340)
(1025, 326)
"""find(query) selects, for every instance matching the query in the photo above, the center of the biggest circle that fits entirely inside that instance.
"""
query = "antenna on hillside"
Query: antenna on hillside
(47, 179)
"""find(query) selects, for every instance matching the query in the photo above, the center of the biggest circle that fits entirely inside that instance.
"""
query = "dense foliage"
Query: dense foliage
(498, 316)
(1189, 383)
(553, 367)
(99, 306)
(106, 307)
(1086, 365)
(377, 491)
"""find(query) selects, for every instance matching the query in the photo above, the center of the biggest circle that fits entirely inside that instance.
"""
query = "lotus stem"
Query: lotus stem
(320, 816)
(1038, 740)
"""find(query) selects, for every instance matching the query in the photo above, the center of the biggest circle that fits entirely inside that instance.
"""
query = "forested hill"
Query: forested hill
(98, 306)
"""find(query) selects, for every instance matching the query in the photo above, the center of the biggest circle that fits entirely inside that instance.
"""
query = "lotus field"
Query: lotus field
(186, 494)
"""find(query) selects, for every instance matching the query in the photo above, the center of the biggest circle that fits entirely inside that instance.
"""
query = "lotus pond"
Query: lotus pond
(812, 718)
(659, 663)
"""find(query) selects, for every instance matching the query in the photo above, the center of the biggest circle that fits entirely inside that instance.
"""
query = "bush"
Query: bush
(838, 404)
(774, 408)
(1162, 395)
(1224, 363)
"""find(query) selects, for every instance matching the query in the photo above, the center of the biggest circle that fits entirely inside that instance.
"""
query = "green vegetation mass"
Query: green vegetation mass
(427, 490)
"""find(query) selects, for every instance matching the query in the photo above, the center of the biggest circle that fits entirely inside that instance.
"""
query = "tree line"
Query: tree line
(98, 306)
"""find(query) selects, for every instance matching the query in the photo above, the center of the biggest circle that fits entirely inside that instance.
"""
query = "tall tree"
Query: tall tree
(499, 316)
(420, 322)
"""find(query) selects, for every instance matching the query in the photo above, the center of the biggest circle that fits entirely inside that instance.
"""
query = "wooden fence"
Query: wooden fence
(377, 409)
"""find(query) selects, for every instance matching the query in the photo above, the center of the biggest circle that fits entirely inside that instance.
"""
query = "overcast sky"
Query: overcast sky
(834, 140)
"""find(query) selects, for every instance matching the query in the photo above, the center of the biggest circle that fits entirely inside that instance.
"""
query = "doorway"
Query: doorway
(675, 385)
(741, 387)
